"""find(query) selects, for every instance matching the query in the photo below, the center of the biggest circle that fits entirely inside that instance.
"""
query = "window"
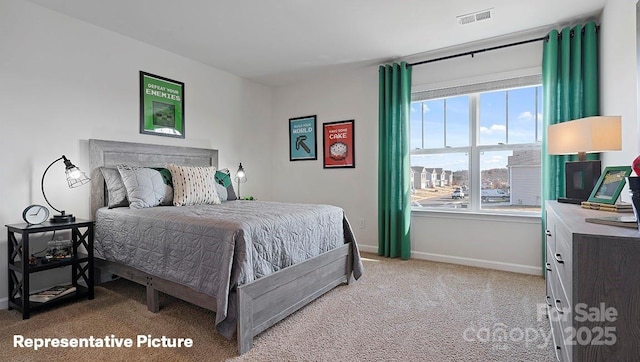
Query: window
(477, 147)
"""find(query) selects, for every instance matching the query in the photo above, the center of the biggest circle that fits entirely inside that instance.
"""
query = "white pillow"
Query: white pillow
(193, 185)
(145, 187)
(222, 192)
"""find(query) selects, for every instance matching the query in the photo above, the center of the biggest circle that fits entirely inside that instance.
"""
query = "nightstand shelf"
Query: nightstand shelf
(81, 292)
(81, 263)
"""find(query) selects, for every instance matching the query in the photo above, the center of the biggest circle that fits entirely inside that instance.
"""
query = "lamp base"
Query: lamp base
(63, 218)
(567, 200)
(580, 179)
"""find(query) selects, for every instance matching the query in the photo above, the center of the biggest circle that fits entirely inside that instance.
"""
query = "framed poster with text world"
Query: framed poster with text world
(302, 139)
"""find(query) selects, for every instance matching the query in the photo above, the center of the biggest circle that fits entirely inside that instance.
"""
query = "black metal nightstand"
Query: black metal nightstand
(20, 268)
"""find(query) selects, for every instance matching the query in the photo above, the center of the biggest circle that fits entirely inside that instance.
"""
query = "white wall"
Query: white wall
(65, 81)
(345, 96)
(508, 244)
(618, 79)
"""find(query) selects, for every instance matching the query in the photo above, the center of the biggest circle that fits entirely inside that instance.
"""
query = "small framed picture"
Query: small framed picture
(302, 139)
(338, 144)
(609, 185)
(161, 106)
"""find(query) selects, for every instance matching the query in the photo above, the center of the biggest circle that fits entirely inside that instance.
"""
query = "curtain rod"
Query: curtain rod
(473, 52)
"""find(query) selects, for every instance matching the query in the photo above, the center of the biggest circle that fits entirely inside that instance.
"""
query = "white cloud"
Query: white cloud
(426, 109)
(495, 160)
(495, 128)
(526, 116)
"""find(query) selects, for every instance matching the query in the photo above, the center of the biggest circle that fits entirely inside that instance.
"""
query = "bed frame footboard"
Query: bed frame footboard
(261, 303)
(268, 300)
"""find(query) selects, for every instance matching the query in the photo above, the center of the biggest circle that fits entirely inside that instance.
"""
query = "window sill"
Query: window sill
(525, 217)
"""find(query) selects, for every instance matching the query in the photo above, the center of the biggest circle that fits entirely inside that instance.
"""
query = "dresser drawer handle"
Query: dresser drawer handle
(549, 301)
(549, 267)
(558, 258)
(558, 349)
(547, 232)
(560, 311)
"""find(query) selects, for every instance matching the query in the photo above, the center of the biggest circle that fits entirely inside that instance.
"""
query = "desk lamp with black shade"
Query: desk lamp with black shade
(582, 136)
(75, 178)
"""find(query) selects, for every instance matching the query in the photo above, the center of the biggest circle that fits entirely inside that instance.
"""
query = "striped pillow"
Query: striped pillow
(193, 185)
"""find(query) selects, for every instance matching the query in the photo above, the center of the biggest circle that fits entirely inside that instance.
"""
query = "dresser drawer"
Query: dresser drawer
(551, 231)
(559, 303)
(559, 347)
(563, 260)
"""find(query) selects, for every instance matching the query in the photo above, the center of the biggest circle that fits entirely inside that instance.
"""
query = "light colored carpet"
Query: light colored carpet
(398, 311)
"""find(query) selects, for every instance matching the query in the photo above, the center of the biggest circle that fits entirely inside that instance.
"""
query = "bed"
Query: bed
(230, 258)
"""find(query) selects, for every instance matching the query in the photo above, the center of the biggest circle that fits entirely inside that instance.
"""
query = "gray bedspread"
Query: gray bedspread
(215, 248)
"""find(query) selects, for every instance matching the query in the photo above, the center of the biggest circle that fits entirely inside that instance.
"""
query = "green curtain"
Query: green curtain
(570, 91)
(394, 197)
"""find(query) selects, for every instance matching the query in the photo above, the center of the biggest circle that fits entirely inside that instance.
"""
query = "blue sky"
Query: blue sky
(495, 126)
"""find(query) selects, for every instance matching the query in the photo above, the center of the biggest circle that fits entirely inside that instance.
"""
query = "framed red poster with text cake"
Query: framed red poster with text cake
(338, 144)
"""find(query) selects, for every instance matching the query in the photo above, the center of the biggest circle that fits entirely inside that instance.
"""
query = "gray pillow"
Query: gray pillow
(223, 177)
(145, 187)
(116, 192)
(222, 192)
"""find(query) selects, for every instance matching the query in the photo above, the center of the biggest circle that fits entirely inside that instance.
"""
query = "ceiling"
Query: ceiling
(278, 42)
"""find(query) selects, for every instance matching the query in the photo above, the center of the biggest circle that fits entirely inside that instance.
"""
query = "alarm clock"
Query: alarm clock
(35, 214)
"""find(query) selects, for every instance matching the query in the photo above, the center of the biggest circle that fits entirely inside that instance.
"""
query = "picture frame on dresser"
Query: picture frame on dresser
(611, 181)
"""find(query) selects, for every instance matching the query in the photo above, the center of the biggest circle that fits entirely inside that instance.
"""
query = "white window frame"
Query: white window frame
(474, 150)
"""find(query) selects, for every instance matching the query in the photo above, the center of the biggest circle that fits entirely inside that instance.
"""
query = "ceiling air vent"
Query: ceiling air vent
(473, 17)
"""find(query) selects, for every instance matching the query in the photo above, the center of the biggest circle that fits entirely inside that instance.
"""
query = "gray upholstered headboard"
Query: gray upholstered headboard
(113, 153)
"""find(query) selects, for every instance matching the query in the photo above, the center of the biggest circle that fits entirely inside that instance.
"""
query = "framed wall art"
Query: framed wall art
(609, 185)
(161, 106)
(338, 144)
(302, 139)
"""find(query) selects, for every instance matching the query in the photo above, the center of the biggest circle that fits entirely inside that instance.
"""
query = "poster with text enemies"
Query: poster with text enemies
(161, 106)
(302, 139)
(338, 144)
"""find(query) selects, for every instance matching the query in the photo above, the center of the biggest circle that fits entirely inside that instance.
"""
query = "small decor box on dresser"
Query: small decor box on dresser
(593, 286)
(21, 265)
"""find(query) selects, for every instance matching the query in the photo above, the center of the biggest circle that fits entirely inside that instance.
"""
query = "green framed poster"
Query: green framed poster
(302, 138)
(161, 106)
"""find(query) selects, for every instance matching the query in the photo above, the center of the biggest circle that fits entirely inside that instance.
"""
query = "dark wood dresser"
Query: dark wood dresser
(593, 285)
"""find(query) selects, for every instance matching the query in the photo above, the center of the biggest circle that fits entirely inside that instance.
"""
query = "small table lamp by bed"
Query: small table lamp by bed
(75, 178)
(241, 177)
(582, 136)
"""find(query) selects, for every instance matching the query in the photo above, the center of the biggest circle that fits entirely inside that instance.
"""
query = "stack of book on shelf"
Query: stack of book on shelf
(617, 207)
(52, 293)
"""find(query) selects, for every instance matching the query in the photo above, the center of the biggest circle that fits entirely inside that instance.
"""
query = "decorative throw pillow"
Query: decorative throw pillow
(166, 175)
(222, 192)
(223, 177)
(193, 185)
(116, 192)
(145, 187)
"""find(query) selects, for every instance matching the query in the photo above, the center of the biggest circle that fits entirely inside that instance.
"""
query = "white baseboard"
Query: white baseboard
(488, 264)
(368, 248)
(4, 303)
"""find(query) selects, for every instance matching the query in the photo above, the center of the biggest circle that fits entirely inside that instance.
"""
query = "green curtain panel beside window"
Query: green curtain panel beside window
(394, 194)
(570, 91)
